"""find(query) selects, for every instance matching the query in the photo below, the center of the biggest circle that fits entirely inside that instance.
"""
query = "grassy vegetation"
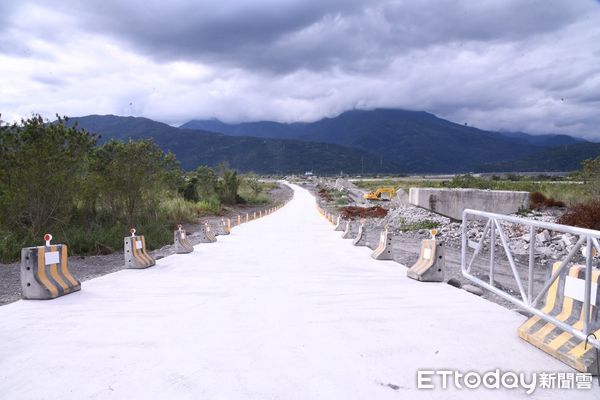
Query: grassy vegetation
(418, 225)
(253, 191)
(337, 197)
(568, 191)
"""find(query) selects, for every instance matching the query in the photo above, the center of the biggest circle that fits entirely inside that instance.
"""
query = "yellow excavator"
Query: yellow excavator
(382, 193)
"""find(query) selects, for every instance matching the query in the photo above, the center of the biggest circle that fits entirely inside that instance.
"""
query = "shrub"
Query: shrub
(178, 210)
(209, 206)
(583, 215)
(11, 243)
(325, 195)
(252, 181)
(257, 200)
(228, 186)
(537, 200)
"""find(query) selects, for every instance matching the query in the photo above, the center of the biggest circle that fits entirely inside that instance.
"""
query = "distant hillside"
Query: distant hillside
(194, 148)
(262, 129)
(562, 158)
(416, 140)
(551, 140)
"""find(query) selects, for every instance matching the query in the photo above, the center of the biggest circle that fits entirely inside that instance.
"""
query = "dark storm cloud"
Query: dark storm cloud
(529, 65)
(285, 36)
(244, 33)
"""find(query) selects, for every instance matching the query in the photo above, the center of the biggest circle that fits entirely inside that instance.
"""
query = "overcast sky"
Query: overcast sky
(529, 65)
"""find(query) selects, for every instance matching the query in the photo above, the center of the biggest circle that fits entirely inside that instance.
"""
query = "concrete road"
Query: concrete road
(280, 309)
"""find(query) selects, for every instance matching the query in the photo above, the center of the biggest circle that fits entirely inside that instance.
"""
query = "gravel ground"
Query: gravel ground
(85, 268)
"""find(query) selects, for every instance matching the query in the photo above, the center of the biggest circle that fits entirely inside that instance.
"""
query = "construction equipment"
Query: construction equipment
(382, 193)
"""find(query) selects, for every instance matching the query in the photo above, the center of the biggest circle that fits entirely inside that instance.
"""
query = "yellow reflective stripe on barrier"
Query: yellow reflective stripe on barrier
(42, 272)
(134, 247)
(565, 313)
(144, 253)
(54, 273)
(64, 267)
(564, 337)
(141, 254)
(550, 300)
(137, 254)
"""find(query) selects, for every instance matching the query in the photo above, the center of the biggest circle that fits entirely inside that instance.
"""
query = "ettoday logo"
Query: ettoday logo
(497, 379)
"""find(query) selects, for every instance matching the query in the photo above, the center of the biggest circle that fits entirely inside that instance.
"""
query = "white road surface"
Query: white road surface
(282, 308)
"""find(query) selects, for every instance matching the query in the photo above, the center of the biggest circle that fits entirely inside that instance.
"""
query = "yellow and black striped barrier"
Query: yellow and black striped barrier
(136, 255)
(564, 302)
(182, 244)
(206, 234)
(45, 272)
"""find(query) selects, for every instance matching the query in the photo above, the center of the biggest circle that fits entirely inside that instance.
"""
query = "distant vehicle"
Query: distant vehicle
(308, 173)
(381, 194)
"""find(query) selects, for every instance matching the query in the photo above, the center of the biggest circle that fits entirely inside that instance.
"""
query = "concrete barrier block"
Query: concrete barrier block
(452, 202)
(45, 272)
(348, 233)
(361, 236)
(181, 242)
(430, 265)
(136, 255)
(384, 249)
(207, 235)
(339, 224)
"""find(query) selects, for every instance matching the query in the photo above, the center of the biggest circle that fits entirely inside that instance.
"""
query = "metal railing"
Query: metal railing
(527, 300)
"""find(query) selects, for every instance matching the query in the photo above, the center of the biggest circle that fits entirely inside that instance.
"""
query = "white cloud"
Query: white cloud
(494, 64)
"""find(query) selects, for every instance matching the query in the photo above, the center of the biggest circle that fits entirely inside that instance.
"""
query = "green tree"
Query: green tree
(132, 177)
(207, 183)
(42, 169)
(189, 191)
(253, 183)
(228, 184)
(591, 176)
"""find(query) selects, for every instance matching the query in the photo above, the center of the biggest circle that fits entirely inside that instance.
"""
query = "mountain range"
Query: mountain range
(357, 141)
(417, 140)
(261, 155)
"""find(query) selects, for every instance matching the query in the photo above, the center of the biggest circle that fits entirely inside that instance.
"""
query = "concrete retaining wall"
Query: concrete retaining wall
(452, 202)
